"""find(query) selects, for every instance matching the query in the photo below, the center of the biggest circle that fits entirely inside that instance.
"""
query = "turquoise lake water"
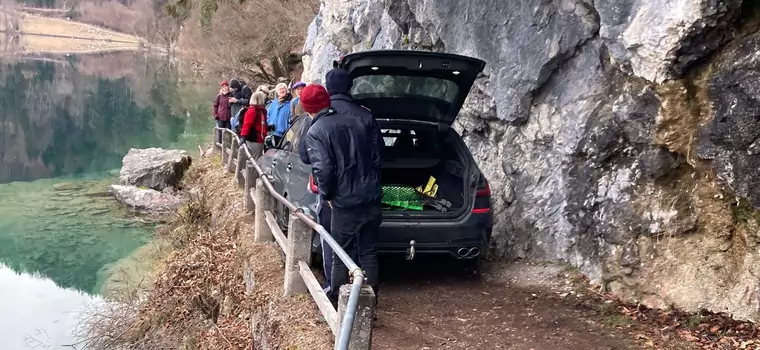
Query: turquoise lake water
(65, 125)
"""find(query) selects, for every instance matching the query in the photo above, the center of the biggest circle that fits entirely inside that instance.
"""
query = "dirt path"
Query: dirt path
(518, 307)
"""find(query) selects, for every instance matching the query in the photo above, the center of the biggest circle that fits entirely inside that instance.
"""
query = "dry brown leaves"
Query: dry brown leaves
(198, 299)
(706, 330)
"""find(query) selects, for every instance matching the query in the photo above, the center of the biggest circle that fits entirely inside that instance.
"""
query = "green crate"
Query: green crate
(402, 196)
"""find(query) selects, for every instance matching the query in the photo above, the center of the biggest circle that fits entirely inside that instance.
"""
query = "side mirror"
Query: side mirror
(269, 142)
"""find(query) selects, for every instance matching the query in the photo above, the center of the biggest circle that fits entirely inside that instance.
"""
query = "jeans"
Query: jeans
(356, 231)
(222, 124)
(324, 214)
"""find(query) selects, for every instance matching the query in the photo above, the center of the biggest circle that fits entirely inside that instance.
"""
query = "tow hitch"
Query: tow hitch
(410, 250)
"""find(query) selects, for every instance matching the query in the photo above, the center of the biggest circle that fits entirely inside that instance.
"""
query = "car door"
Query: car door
(286, 161)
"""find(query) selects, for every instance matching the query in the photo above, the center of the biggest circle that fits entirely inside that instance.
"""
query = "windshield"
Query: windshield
(398, 86)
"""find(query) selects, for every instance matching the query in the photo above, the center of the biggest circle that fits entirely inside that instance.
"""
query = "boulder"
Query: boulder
(154, 168)
(148, 201)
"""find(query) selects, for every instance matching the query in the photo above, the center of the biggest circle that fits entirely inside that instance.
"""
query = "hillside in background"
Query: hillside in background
(142, 18)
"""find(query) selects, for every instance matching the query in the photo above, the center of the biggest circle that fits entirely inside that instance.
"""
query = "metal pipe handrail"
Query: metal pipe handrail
(347, 323)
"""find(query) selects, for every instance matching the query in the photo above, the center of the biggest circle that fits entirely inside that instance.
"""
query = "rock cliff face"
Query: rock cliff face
(621, 137)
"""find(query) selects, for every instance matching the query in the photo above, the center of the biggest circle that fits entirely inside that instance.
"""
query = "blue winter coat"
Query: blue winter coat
(278, 115)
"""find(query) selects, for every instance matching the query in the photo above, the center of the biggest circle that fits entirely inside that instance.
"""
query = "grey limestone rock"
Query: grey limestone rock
(591, 160)
(154, 168)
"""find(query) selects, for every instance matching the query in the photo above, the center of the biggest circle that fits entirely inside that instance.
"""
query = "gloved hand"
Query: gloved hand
(270, 127)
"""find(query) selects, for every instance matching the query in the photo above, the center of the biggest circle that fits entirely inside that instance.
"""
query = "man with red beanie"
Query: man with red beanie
(346, 170)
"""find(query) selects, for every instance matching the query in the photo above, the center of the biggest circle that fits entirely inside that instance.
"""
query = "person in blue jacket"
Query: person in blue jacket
(278, 114)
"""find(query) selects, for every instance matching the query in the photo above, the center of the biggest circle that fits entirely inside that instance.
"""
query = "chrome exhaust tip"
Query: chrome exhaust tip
(473, 252)
(463, 252)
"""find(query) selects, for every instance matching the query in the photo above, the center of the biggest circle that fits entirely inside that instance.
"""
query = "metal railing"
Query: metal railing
(299, 278)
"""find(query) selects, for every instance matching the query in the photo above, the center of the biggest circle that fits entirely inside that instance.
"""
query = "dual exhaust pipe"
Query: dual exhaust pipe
(468, 252)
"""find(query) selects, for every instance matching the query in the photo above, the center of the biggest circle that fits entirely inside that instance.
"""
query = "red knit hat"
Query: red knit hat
(314, 98)
(224, 83)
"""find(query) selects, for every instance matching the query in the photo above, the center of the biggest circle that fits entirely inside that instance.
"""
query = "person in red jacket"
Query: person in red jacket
(222, 110)
(254, 122)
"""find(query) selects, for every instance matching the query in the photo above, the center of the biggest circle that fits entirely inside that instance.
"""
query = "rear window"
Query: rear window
(399, 86)
(409, 143)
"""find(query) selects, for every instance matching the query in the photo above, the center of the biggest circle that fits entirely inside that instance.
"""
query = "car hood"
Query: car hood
(411, 85)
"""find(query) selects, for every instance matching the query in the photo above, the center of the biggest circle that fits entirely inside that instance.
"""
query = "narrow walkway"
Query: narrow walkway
(422, 306)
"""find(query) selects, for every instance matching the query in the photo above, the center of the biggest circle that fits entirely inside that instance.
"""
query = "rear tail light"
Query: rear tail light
(483, 189)
(312, 185)
(482, 194)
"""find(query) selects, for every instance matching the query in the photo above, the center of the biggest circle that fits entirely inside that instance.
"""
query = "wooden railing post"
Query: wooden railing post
(361, 333)
(299, 248)
(214, 138)
(263, 203)
(226, 139)
(250, 183)
(233, 153)
(240, 165)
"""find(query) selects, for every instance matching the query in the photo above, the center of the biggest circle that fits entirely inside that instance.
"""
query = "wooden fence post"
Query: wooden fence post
(225, 143)
(214, 138)
(263, 203)
(240, 166)
(299, 248)
(361, 333)
(233, 153)
(250, 183)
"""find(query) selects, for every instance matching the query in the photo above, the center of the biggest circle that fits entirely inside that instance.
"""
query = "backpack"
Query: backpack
(236, 123)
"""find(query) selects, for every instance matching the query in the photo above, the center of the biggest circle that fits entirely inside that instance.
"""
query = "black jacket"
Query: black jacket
(338, 84)
(345, 166)
(242, 94)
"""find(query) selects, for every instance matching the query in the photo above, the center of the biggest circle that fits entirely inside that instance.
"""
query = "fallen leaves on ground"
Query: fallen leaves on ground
(707, 330)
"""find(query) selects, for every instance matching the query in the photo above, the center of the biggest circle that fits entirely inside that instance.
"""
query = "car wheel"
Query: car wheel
(283, 216)
(316, 252)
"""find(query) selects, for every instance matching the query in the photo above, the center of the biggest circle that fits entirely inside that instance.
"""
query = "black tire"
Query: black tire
(316, 253)
(283, 216)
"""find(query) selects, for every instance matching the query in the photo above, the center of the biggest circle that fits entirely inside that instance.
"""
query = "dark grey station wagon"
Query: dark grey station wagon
(415, 97)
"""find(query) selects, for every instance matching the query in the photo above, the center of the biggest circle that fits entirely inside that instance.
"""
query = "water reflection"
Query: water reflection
(78, 114)
(36, 313)
(65, 122)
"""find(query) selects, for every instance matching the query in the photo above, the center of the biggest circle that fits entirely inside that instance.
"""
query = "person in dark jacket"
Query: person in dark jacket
(222, 112)
(241, 95)
(324, 212)
(338, 84)
(346, 169)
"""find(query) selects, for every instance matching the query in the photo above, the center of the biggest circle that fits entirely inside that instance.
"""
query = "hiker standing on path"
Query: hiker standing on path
(254, 122)
(241, 95)
(338, 83)
(265, 90)
(296, 109)
(346, 169)
(222, 111)
(279, 112)
(324, 212)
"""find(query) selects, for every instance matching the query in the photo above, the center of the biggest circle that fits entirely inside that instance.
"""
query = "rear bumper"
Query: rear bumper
(432, 237)
(435, 238)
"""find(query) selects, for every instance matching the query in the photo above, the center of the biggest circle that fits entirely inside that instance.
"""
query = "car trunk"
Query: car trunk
(414, 155)
(416, 96)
